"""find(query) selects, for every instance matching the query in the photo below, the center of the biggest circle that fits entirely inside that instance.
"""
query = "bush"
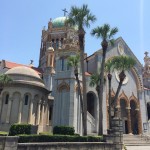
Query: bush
(3, 133)
(16, 129)
(57, 138)
(45, 133)
(63, 130)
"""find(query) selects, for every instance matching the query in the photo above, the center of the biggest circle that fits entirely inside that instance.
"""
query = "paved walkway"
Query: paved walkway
(138, 147)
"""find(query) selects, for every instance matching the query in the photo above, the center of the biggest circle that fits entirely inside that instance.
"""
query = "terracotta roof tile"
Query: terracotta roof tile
(10, 65)
(87, 74)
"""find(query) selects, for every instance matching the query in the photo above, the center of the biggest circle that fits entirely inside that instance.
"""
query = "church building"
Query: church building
(47, 96)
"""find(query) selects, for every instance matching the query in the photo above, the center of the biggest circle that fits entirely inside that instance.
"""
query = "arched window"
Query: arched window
(62, 63)
(26, 100)
(6, 99)
(148, 111)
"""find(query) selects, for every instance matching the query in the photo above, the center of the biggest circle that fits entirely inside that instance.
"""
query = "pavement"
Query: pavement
(138, 147)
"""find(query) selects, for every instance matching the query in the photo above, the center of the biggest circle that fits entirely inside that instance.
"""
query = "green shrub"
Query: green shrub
(16, 129)
(57, 138)
(3, 133)
(63, 130)
(45, 133)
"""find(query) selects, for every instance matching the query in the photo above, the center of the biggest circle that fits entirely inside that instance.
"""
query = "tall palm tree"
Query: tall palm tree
(73, 61)
(106, 34)
(108, 69)
(122, 64)
(4, 79)
(81, 17)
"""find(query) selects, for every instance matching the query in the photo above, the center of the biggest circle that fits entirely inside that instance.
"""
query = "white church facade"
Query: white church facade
(47, 96)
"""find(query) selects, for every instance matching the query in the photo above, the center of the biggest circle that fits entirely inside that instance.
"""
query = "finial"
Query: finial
(50, 19)
(31, 61)
(65, 11)
(146, 53)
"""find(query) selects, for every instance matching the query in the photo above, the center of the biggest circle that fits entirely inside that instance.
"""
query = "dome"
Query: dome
(22, 70)
(59, 22)
(50, 49)
(25, 75)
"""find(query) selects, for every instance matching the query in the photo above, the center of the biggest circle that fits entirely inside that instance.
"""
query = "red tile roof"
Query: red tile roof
(10, 65)
(87, 74)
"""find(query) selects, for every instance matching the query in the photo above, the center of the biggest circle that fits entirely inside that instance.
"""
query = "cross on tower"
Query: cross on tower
(65, 11)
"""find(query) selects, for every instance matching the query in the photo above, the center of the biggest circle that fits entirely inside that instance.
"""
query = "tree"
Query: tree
(106, 34)
(108, 69)
(73, 61)
(94, 81)
(122, 64)
(81, 17)
(4, 79)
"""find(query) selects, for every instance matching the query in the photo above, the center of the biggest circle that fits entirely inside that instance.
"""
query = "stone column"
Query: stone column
(42, 113)
(139, 120)
(38, 113)
(9, 110)
(30, 112)
(47, 114)
(20, 110)
(129, 120)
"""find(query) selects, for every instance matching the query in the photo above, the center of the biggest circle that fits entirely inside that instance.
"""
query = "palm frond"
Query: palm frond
(113, 31)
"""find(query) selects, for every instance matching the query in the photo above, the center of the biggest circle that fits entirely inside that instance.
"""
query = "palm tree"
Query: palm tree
(108, 68)
(122, 64)
(73, 61)
(106, 34)
(94, 81)
(81, 17)
(4, 79)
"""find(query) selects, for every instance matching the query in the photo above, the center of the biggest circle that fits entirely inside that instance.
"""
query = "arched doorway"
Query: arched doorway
(123, 115)
(134, 117)
(91, 104)
(148, 111)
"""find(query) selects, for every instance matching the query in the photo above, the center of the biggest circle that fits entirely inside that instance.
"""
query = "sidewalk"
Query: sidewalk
(138, 147)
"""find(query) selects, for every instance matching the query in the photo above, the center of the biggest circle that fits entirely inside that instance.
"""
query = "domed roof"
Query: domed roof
(22, 70)
(58, 22)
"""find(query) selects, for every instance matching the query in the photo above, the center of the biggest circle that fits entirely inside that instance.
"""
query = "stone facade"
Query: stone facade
(58, 42)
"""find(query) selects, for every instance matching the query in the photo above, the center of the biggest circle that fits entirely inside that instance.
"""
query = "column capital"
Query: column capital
(128, 108)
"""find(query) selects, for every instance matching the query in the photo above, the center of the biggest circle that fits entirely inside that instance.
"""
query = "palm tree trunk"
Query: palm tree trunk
(100, 131)
(109, 79)
(115, 99)
(81, 44)
(81, 100)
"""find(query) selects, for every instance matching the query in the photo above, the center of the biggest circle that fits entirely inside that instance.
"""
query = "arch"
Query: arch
(91, 103)
(137, 78)
(133, 98)
(63, 86)
(124, 97)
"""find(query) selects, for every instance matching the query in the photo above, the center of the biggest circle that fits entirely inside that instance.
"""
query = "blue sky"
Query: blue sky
(21, 22)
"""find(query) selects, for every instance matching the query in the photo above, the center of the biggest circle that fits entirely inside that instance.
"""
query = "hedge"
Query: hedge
(3, 133)
(63, 130)
(58, 138)
(16, 129)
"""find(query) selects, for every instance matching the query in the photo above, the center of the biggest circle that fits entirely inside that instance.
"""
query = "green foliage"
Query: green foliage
(3, 133)
(4, 79)
(45, 133)
(63, 130)
(73, 61)
(16, 129)
(80, 16)
(105, 33)
(123, 62)
(58, 138)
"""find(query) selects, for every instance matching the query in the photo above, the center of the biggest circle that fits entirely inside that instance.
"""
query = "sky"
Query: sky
(21, 23)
